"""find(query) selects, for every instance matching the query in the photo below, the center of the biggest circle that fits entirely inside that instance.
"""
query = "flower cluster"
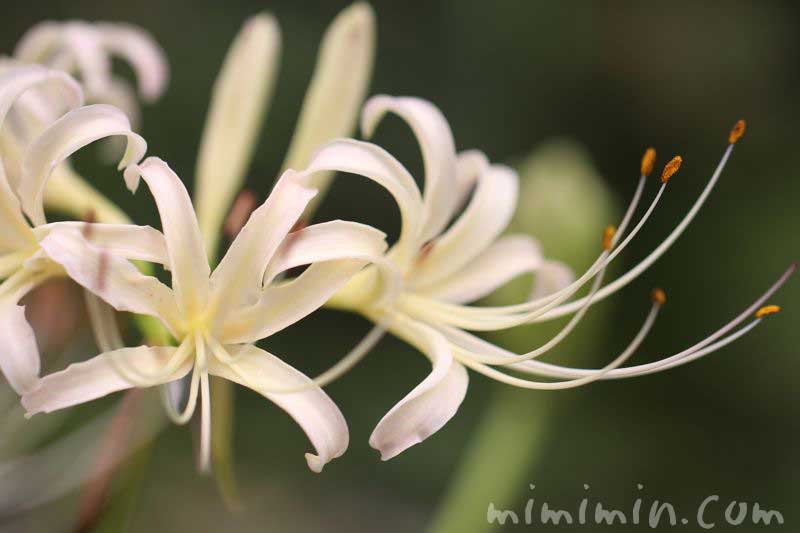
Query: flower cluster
(207, 319)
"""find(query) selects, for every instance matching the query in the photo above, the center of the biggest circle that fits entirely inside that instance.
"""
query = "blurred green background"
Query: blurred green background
(615, 77)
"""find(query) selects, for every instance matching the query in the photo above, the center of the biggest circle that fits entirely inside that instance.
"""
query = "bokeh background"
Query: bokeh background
(511, 76)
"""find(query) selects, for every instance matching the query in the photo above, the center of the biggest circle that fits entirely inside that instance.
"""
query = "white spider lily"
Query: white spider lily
(23, 263)
(86, 50)
(446, 265)
(216, 316)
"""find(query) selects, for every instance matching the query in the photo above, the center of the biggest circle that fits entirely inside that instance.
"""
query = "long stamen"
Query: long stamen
(181, 418)
(467, 359)
(685, 356)
(205, 407)
(558, 337)
(734, 136)
(493, 318)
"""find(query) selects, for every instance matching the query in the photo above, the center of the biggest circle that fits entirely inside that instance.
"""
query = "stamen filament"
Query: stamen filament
(466, 358)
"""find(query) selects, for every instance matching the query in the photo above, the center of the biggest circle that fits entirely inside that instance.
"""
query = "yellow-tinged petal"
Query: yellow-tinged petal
(238, 104)
(337, 90)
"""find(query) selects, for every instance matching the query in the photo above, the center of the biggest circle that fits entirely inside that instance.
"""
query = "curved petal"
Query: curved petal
(337, 90)
(470, 165)
(98, 377)
(237, 280)
(187, 255)
(504, 260)
(122, 240)
(66, 136)
(113, 279)
(141, 50)
(551, 277)
(49, 42)
(14, 83)
(430, 404)
(311, 408)
(282, 305)
(324, 242)
(19, 358)
(484, 219)
(438, 153)
(239, 102)
(375, 163)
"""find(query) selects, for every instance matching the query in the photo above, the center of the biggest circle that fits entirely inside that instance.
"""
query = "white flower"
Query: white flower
(215, 316)
(23, 263)
(86, 49)
(446, 265)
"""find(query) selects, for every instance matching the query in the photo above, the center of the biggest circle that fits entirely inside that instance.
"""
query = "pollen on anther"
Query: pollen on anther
(648, 161)
(767, 310)
(658, 296)
(737, 131)
(671, 168)
(608, 237)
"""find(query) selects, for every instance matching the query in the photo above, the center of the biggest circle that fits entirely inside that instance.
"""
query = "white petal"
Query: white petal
(438, 153)
(375, 163)
(14, 83)
(324, 242)
(97, 377)
(238, 104)
(551, 277)
(470, 165)
(141, 50)
(337, 89)
(484, 219)
(68, 43)
(19, 358)
(238, 278)
(282, 305)
(66, 136)
(311, 408)
(507, 258)
(113, 279)
(187, 255)
(430, 404)
(122, 240)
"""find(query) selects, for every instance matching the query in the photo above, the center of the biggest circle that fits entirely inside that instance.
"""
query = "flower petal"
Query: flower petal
(187, 256)
(311, 408)
(112, 278)
(65, 44)
(507, 258)
(484, 219)
(239, 102)
(438, 153)
(551, 277)
(122, 240)
(66, 136)
(324, 242)
(375, 163)
(138, 48)
(337, 89)
(430, 404)
(98, 377)
(19, 359)
(282, 305)
(237, 280)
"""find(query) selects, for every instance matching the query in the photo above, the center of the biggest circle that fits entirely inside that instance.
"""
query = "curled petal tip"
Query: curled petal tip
(314, 463)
